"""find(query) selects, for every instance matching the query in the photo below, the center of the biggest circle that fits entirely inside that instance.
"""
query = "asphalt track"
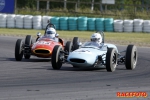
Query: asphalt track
(34, 79)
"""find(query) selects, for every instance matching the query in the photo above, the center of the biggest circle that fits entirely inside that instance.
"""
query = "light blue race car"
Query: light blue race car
(90, 55)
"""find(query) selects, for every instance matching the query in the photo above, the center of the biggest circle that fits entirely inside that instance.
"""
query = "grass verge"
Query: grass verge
(123, 38)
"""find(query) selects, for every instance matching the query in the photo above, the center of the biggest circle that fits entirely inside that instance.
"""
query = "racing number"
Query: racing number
(44, 43)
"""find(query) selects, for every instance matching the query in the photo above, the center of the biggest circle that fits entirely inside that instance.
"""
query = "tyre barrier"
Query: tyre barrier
(128, 26)
(3, 20)
(74, 23)
(19, 21)
(118, 25)
(55, 21)
(63, 22)
(137, 25)
(146, 26)
(45, 20)
(91, 24)
(10, 21)
(82, 23)
(37, 22)
(28, 21)
(99, 24)
(108, 24)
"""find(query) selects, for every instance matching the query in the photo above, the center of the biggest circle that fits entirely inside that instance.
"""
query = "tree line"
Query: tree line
(32, 3)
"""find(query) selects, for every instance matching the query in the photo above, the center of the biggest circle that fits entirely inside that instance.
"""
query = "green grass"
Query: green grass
(139, 39)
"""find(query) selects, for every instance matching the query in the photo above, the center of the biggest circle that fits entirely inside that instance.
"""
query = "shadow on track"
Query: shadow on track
(26, 60)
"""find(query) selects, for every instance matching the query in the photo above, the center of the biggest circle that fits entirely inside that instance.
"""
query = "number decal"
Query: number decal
(44, 43)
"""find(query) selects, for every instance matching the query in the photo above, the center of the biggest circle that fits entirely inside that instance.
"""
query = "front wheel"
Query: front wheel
(111, 59)
(131, 57)
(28, 43)
(19, 50)
(57, 57)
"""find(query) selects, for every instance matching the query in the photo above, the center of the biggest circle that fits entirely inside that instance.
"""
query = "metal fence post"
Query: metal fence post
(38, 4)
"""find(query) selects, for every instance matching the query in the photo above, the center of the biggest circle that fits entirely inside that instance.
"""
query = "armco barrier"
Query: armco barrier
(74, 23)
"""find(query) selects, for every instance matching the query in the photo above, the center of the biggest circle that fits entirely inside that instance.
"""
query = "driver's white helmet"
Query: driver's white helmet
(50, 32)
(96, 37)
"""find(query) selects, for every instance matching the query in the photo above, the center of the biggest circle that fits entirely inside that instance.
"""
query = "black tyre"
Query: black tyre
(19, 50)
(111, 59)
(68, 46)
(56, 57)
(131, 57)
(75, 43)
(28, 42)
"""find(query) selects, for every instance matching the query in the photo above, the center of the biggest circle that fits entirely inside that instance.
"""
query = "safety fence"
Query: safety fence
(74, 23)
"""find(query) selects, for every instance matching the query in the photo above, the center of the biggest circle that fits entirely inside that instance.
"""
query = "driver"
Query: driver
(96, 39)
(51, 33)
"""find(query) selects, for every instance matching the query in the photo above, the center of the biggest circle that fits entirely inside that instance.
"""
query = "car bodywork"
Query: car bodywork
(104, 56)
(86, 56)
(43, 47)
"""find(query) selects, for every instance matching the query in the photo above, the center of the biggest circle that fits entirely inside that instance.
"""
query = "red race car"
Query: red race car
(43, 47)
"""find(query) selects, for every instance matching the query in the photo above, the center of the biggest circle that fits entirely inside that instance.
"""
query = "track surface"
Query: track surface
(35, 79)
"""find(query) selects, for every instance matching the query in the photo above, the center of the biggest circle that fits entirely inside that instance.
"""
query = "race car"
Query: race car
(87, 55)
(43, 47)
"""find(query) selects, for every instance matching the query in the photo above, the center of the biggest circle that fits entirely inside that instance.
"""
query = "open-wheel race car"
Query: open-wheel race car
(87, 55)
(43, 47)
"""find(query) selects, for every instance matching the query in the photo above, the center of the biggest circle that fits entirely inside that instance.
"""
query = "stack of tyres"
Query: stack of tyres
(146, 26)
(99, 24)
(91, 24)
(118, 25)
(82, 23)
(108, 23)
(63, 22)
(55, 21)
(28, 21)
(72, 23)
(37, 22)
(19, 21)
(11, 21)
(3, 20)
(45, 20)
(128, 25)
(138, 25)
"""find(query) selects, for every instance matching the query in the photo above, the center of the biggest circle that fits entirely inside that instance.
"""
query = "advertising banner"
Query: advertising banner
(7, 6)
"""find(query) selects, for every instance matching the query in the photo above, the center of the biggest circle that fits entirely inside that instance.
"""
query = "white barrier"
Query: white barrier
(10, 20)
(19, 21)
(138, 25)
(45, 20)
(3, 20)
(146, 26)
(28, 21)
(37, 22)
(118, 25)
(128, 26)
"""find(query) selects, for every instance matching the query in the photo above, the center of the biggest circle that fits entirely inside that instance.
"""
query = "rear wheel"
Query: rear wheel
(111, 59)
(131, 57)
(68, 46)
(19, 50)
(57, 57)
(28, 42)
(75, 43)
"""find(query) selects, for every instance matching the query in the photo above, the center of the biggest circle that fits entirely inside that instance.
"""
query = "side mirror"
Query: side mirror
(79, 43)
(38, 34)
